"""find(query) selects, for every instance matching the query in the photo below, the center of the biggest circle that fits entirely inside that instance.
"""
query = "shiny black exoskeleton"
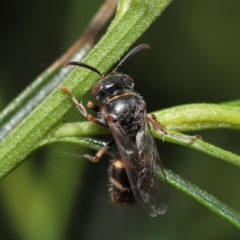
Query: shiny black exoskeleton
(121, 103)
(136, 172)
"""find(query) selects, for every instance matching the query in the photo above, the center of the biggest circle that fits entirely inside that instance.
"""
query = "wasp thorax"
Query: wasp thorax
(111, 85)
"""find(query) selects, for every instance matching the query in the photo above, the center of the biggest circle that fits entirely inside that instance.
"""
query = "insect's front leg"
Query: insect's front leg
(83, 110)
(99, 154)
(95, 107)
(163, 131)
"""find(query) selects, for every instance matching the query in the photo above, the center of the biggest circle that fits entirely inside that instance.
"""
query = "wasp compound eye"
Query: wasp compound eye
(96, 88)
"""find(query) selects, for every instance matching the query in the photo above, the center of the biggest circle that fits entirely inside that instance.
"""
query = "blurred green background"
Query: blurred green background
(195, 58)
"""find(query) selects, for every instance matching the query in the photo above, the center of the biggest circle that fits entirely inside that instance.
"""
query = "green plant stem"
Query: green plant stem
(125, 29)
(178, 182)
(72, 132)
(38, 90)
(201, 116)
(204, 198)
(182, 118)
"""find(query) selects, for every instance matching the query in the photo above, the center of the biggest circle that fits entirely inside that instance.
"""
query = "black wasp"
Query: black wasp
(136, 173)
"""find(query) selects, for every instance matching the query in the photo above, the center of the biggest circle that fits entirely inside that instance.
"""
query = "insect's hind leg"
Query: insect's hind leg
(99, 154)
(163, 131)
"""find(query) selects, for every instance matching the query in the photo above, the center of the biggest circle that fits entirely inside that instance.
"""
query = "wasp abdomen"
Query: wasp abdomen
(121, 191)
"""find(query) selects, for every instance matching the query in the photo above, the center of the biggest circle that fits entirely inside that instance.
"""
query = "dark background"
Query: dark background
(194, 59)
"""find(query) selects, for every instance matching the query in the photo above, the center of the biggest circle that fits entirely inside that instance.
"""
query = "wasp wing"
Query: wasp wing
(143, 166)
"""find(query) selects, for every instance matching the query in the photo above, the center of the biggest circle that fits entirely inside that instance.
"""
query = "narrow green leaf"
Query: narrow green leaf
(201, 116)
(178, 182)
(204, 198)
(125, 29)
(200, 145)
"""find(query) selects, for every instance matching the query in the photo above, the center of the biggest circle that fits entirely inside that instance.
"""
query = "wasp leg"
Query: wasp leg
(82, 109)
(153, 120)
(95, 107)
(162, 130)
(99, 154)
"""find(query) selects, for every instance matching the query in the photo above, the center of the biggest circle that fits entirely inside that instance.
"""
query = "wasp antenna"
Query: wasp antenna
(132, 52)
(80, 64)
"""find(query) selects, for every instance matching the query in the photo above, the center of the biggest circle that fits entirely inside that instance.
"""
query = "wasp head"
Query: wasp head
(112, 85)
